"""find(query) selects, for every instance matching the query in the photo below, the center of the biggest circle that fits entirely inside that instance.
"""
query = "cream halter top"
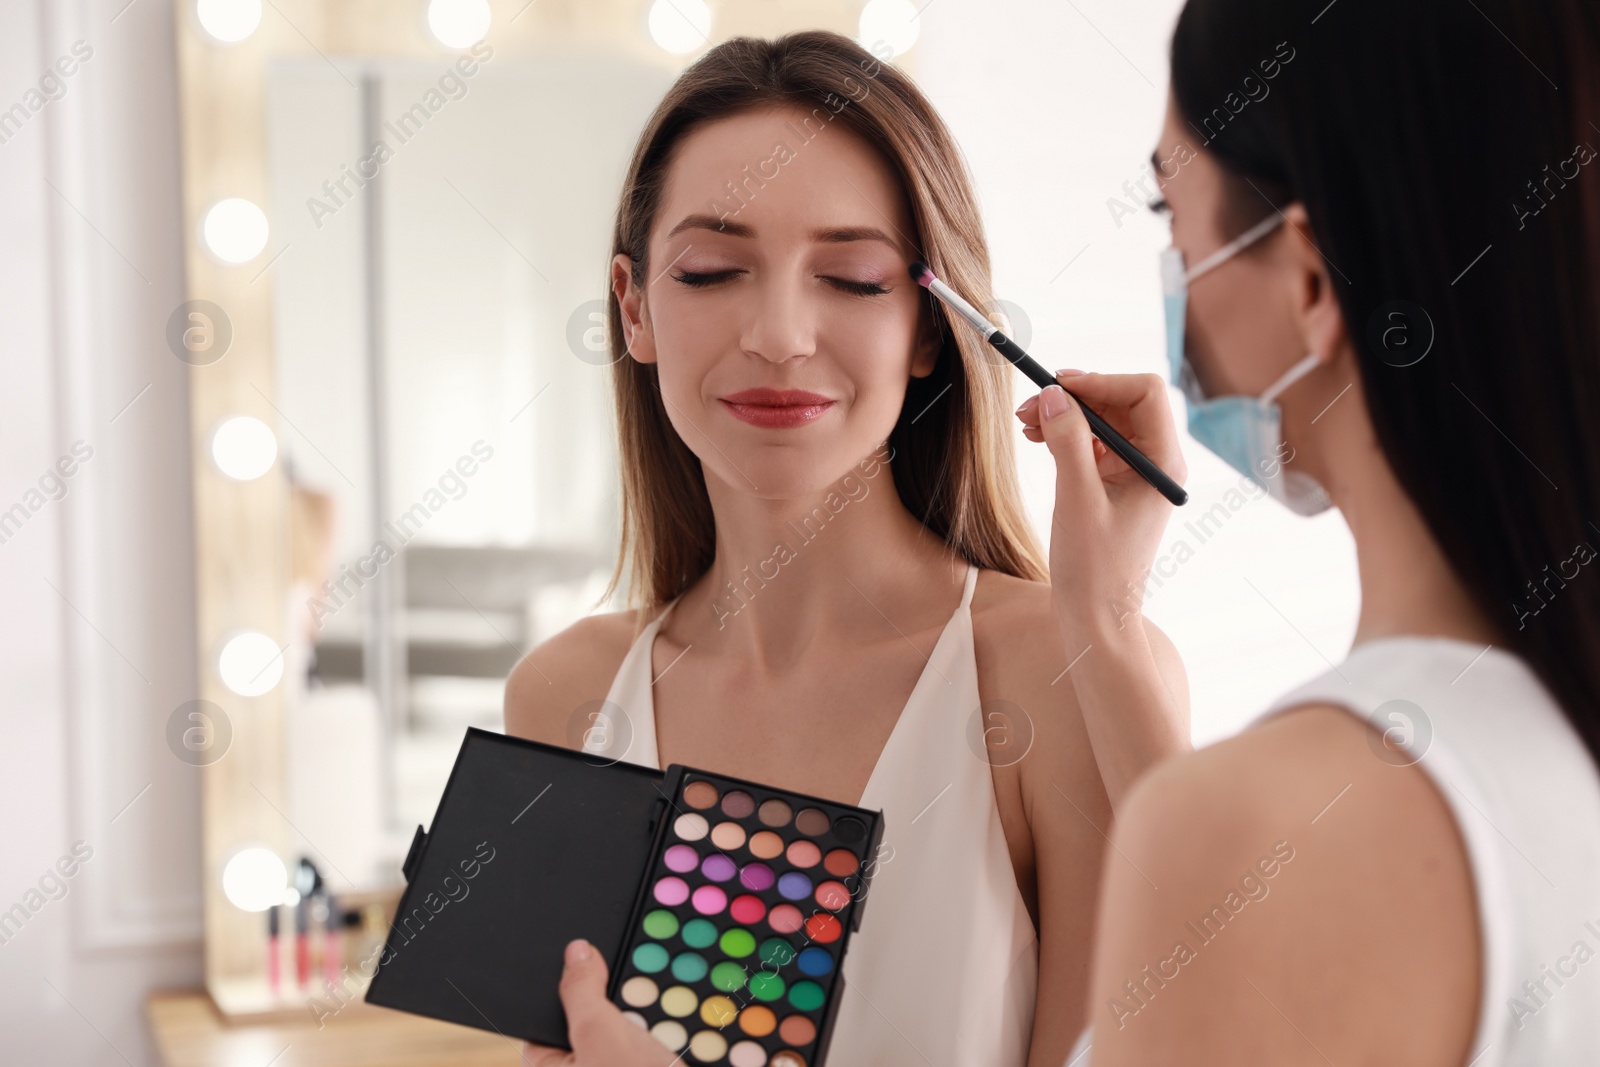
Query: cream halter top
(944, 968)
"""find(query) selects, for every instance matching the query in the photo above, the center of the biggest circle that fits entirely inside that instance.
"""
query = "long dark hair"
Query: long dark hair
(1445, 154)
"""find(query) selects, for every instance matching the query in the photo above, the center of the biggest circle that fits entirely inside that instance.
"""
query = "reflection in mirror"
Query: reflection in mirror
(444, 401)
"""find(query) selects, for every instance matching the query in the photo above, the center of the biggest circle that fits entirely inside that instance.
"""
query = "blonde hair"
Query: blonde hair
(952, 452)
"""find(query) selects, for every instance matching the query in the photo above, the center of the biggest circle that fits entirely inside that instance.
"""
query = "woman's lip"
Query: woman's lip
(777, 416)
(776, 398)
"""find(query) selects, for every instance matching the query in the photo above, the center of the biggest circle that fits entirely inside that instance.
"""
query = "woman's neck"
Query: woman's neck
(1407, 584)
(838, 562)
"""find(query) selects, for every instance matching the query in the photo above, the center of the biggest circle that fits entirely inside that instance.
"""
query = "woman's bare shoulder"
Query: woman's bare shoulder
(548, 688)
(1340, 881)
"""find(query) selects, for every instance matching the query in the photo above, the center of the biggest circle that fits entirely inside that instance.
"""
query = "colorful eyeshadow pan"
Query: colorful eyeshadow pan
(793, 886)
(660, 924)
(757, 876)
(718, 1011)
(671, 891)
(738, 804)
(804, 853)
(700, 795)
(775, 812)
(832, 895)
(681, 858)
(735, 959)
(813, 822)
(670, 1034)
(813, 962)
(710, 900)
(691, 827)
(699, 933)
(718, 868)
(738, 943)
(679, 1001)
(758, 1020)
(841, 863)
(797, 1030)
(708, 1046)
(727, 836)
(691, 966)
(766, 845)
(650, 957)
(747, 909)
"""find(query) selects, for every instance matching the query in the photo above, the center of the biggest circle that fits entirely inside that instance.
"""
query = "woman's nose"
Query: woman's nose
(781, 321)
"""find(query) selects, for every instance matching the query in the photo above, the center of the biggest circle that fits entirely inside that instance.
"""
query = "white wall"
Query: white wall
(96, 634)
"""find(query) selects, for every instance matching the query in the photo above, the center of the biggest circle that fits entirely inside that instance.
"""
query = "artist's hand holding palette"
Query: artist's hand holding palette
(734, 957)
(722, 906)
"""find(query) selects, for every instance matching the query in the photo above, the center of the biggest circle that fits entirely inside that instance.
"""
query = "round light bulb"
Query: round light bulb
(680, 26)
(458, 23)
(254, 879)
(234, 230)
(894, 22)
(250, 663)
(228, 21)
(243, 448)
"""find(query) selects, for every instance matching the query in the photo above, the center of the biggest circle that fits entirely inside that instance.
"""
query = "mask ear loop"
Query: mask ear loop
(1292, 375)
(1235, 246)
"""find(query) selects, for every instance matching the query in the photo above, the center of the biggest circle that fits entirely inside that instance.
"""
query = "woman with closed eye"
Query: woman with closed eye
(838, 590)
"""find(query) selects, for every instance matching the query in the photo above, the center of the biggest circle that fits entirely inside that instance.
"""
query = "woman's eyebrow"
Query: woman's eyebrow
(824, 235)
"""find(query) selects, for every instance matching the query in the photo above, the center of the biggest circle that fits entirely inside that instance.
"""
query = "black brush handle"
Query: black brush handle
(1102, 429)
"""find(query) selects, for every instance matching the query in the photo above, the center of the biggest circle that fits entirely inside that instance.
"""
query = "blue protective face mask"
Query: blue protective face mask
(1245, 431)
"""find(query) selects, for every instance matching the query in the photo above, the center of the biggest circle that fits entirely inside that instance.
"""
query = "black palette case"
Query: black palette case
(533, 845)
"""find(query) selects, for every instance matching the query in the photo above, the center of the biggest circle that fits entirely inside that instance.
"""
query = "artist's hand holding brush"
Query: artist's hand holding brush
(1107, 525)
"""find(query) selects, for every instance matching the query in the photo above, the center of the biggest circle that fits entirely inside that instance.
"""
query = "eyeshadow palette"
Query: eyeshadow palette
(734, 952)
(723, 906)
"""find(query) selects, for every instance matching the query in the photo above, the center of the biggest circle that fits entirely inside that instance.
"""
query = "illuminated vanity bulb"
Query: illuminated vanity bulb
(228, 21)
(255, 879)
(250, 663)
(458, 23)
(235, 230)
(894, 22)
(680, 26)
(243, 448)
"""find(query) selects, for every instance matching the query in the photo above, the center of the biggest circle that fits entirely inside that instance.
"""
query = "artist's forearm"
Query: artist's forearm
(1133, 718)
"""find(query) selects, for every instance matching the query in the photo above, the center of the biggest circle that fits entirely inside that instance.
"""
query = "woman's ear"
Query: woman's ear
(1319, 318)
(636, 335)
(925, 355)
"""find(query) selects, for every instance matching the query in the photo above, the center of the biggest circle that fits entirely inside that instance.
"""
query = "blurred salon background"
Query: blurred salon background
(304, 444)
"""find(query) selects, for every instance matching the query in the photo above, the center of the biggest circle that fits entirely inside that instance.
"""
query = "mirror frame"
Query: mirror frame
(241, 541)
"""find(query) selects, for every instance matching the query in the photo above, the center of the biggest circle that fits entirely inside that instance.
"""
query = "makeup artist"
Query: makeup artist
(1383, 299)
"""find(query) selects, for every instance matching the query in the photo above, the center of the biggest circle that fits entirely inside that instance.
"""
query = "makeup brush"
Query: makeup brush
(1042, 378)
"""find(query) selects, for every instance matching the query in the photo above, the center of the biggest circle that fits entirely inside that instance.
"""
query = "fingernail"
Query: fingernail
(1052, 401)
(1023, 406)
(578, 950)
(1068, 373)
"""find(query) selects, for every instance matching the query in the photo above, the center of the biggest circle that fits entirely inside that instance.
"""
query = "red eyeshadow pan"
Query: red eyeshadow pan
(747, 910)
(823, 928)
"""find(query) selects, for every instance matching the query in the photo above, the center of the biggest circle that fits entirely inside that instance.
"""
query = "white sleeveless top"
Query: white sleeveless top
(1526, 799)
(944, 968)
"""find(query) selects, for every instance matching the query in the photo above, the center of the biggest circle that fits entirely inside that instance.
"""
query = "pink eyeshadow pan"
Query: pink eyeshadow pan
(709, 900)
(681, 858)
(672, 891)
(804, 853)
